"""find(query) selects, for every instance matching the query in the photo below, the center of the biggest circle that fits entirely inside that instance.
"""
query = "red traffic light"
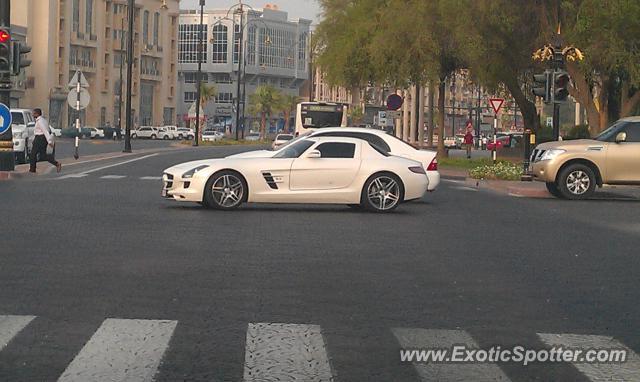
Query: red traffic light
(4, 36)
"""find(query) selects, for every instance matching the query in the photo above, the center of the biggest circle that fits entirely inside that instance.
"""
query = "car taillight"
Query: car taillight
(417, 169)
(433, 166)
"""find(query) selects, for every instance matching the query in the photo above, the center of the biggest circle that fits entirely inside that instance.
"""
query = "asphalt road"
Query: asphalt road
(65, 147)
(190, 287)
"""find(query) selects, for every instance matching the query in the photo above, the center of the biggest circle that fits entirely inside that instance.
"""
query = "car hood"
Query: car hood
(191, 165)
(254, 154)
(573, 145)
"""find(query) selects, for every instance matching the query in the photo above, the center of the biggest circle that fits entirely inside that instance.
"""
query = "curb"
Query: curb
(505, 188)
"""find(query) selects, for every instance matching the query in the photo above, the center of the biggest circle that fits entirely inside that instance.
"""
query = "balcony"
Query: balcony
(82, 64)
(150, 74)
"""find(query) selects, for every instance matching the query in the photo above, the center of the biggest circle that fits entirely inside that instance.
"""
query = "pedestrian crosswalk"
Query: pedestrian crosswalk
(135, 350)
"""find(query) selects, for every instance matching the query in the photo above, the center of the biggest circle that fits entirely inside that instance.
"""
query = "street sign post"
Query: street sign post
(382, 118)
(394, 102)
(5, 118)
(496, 105)
(80, 83)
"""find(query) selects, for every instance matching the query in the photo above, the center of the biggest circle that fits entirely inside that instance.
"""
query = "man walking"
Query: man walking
(468, 140)
(42, 139)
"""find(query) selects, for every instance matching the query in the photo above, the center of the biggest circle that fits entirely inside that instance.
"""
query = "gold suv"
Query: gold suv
(573, 169)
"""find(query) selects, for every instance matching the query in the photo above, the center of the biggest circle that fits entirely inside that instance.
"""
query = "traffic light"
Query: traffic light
(5, 52)
(18, 61)
(542, 85)
(560, 86)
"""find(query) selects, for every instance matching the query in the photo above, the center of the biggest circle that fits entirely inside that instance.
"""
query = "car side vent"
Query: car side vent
(270, 181)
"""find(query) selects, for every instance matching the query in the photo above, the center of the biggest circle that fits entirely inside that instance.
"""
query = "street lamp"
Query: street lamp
(199, 81)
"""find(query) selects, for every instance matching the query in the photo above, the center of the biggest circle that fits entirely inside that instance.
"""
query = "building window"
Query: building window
(145, 28)
(188, 43)
(225, 98)
(190, 97)
(251, 46)
(103, 116)
(192, 77)
(302, 52)
(76, 15)
(219, 46)
(88, 17)
(168, 116)
(236, 43)
(222, 78)
(156, 28)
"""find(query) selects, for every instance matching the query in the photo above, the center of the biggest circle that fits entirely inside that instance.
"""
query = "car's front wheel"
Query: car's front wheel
(576, 181)
(553, 190)
(134, 136)
(382, 192)
(153, 136)
(225, 190)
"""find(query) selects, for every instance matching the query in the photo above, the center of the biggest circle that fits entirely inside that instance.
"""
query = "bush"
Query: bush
(578, 132)
(502, 170)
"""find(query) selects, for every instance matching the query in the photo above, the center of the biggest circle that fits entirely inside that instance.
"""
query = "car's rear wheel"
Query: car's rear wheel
(382, 192)
(134, 136)
(553, 190)
(153, 136)
(225, 190)
(166, 137)
(576, 181)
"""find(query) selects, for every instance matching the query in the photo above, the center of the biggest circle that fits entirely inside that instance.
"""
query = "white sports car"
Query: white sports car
(328, 170)
(385, 142)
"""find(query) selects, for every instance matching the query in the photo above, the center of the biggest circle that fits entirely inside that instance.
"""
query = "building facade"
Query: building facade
(275, 52)
(90, 36)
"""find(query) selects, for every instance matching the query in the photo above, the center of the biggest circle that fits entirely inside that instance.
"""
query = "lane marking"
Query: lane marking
(113, 177)
(285, 352)
(151, 178)
(627, 371)
(121, 350)
(84, 173)
(462, 188)
(447, 372)
(453, 181)
(10, 326)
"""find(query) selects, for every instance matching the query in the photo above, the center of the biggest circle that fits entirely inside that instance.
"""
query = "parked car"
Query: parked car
(185, 133)
(252, 137)
(56, 132)
(165, 133)
(93, 132)
(281, 139)
(211, 136)
(144, 132)
(573, 169)
(23, 128)
(302, 172)
(450, 143)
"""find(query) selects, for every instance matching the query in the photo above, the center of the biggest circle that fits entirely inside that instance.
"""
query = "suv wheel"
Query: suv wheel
(553, 190)
(576, 181)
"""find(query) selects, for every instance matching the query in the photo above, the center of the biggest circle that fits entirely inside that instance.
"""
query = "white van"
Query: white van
(23, 128)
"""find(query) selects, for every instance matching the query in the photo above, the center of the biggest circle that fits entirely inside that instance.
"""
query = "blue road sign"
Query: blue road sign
(5, 118)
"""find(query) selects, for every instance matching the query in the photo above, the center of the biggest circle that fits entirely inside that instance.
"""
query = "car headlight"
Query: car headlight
(550, 154)
(192, 172)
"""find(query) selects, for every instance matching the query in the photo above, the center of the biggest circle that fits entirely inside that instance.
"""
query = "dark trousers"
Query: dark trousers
(39, 152)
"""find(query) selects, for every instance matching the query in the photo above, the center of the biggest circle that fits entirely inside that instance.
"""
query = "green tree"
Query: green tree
(288, 105)
(357, 115)
(263, 102)
(208, 93)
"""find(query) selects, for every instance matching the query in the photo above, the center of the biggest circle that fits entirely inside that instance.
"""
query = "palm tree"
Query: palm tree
(208, 93)
(288, 104)
(264, 101)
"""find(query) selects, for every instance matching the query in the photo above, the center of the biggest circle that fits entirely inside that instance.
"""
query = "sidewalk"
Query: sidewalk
(512, 188)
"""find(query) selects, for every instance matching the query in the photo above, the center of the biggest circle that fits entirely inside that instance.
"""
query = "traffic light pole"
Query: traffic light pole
(7, 159)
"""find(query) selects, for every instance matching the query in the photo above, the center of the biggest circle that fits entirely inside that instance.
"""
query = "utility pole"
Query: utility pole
(127, 136)
(240, 11)
(122, 56)
(7, 159)
(199, 81)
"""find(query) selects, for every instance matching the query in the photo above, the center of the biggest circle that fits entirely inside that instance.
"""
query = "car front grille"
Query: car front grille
(536, 155)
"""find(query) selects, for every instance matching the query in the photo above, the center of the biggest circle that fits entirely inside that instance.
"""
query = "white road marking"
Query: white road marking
(627, 371)
(424, 339)
(85, 173)
(113, 177)
(121, 350)
(151, 178)
(10, 326)
(453, 181)
(285, 352)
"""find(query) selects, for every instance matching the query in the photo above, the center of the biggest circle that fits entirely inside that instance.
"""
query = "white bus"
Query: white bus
(314, 115)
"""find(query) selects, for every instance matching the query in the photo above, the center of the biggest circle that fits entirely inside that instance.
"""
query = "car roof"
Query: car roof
(631, 119)
(20, 110)
(349, 129)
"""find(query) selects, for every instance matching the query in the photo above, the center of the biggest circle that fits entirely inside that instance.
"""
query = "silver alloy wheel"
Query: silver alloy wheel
(383, 193)
(227, 191)
(578, 182)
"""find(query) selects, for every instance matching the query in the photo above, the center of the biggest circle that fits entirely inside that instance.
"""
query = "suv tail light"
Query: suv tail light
(433, 166)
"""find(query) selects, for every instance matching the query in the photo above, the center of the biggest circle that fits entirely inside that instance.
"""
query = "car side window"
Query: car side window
(17, 118)
(633, 131)
(337, 150)
(373, 139)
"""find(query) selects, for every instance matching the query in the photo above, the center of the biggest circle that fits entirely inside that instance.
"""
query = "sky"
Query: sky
(307, 9)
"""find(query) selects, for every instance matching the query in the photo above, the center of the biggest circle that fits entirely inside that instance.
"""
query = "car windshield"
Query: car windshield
(609, 134)
(294, 150)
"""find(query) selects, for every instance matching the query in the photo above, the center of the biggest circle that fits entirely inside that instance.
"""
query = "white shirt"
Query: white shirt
(42, 128)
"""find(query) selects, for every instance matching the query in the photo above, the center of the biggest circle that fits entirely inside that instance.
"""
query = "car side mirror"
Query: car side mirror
(314, 154)
(621, 137)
